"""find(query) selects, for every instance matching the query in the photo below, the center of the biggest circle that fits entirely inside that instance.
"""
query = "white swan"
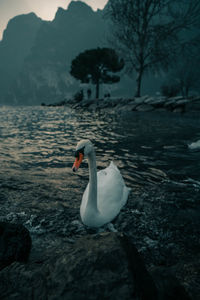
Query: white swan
(195, 145)
(106, 192)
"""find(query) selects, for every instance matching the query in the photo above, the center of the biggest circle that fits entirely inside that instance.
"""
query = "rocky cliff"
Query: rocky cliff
(18, 39)
(43, 67)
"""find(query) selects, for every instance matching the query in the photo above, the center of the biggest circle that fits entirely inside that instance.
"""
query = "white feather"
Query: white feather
(112, 195)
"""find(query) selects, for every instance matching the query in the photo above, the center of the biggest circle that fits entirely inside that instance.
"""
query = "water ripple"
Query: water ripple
(40, 142)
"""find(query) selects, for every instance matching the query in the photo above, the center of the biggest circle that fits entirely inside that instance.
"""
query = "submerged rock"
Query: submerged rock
(15, 244)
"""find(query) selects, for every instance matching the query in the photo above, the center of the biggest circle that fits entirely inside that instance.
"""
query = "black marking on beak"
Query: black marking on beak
(74, 169)
(79, 151)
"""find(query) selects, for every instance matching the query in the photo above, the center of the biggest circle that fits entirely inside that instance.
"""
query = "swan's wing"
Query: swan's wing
(110, 190)
(112, 194)
(84, 200)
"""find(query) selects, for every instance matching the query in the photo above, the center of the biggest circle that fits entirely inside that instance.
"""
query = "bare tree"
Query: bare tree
(187, 76)
(149, 32)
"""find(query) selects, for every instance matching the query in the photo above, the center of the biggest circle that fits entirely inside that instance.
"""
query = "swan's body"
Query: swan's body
(106, 192)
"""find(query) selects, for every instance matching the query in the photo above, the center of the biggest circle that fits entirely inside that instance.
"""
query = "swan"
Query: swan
(194, 145)
(106, 192)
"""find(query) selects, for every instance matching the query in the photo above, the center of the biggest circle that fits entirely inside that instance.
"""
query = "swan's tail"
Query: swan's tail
(113, 165)
(126, 192)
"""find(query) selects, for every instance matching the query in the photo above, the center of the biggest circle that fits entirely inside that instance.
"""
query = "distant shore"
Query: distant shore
(142, 104)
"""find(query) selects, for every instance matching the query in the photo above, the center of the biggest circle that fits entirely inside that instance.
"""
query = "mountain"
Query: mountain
(44, 66)
(36, 55)
(18, 39)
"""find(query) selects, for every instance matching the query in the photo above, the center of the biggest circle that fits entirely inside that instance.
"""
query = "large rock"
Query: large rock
(144, 107)
(127, 107)
(140, 100)
(103, 266)
(15, 244)
(98, 266)
(156, 102)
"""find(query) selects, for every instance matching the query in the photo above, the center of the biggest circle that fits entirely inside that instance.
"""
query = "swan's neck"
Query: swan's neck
(92, 195)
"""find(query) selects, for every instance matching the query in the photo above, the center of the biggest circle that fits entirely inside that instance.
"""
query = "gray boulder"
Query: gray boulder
(103, 266)
(144, 107)
(97, 266)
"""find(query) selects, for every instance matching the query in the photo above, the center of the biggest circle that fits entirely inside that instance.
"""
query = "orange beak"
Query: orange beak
(77, 162)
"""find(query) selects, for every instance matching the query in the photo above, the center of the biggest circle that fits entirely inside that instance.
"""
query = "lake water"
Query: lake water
(37, 146)
(157, 153)
(38, 143)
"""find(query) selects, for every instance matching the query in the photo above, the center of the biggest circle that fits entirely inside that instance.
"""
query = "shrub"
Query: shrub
(170, 89)
(79, 96)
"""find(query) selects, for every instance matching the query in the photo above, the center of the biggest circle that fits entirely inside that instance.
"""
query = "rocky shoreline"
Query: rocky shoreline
(151, 252)
(97, 266)
(141, 104)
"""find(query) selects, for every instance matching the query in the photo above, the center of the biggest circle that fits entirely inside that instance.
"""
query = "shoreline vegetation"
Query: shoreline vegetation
(146, 103)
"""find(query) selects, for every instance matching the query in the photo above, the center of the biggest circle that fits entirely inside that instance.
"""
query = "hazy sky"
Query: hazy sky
(44, 9)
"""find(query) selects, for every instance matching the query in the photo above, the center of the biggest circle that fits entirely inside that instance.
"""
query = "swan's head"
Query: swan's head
(83, 149)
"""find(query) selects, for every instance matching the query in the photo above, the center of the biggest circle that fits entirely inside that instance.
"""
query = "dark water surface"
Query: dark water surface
(153, 153)
(38, 143)
(37, 147)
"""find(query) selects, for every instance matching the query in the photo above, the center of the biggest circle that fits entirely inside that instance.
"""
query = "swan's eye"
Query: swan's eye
(77, 154)
(79, 151)
(82, 150)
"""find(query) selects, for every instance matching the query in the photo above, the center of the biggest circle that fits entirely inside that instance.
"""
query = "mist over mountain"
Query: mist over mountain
(18, 39)
(36, 55)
